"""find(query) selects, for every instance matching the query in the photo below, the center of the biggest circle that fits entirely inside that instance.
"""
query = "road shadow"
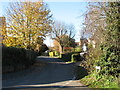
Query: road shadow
(49, 59)
(56, 71)
(48, 87)
(80, 72)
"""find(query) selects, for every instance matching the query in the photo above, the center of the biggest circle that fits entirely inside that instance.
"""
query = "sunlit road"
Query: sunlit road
(55, 74)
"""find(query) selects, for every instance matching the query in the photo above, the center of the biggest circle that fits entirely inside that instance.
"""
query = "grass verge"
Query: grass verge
(96, 81)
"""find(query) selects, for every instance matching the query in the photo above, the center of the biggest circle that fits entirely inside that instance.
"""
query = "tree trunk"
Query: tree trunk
(61, 51)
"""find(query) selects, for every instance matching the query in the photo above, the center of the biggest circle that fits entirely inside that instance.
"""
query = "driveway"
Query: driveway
(54, 74)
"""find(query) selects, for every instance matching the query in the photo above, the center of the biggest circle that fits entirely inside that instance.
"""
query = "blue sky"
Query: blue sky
(68, 12)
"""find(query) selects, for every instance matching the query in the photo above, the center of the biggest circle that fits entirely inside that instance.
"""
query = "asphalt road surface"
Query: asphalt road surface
(55, 74)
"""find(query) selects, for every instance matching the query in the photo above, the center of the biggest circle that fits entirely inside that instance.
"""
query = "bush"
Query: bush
(51, 54)
(56, 53)
(76, 57)
(67, 49)
(78, 49)
(109, 61)
(70, 49)
(14, 59)
(68, 56)
(90, 59)
(95, 80)
(30, 57)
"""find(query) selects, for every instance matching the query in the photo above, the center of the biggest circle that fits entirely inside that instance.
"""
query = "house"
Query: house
(57, 46)
(77, 43)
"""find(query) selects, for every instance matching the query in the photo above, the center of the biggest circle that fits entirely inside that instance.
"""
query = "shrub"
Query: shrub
(56, 53)
(76, 57)
(95, 80)
(78, 49)
(43, 48)
(68, 56)
(109, 61)
(30, 57)
(90, 59)
(16, 58)
(67, 49)
(51, 54)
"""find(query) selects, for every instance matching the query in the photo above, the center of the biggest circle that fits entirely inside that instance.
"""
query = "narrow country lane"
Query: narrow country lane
(55, 74)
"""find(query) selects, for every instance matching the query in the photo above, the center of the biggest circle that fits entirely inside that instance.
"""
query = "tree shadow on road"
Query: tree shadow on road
(55, 72)
(81, 72)
(48, 87)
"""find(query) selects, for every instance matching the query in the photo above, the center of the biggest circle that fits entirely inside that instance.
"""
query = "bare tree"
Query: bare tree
(95, 22)
(60, 31)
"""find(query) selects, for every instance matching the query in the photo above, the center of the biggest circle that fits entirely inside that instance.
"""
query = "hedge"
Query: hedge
(76, 57)
(51, 54)
(67, 56)
(15, 59)
(54, 53)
